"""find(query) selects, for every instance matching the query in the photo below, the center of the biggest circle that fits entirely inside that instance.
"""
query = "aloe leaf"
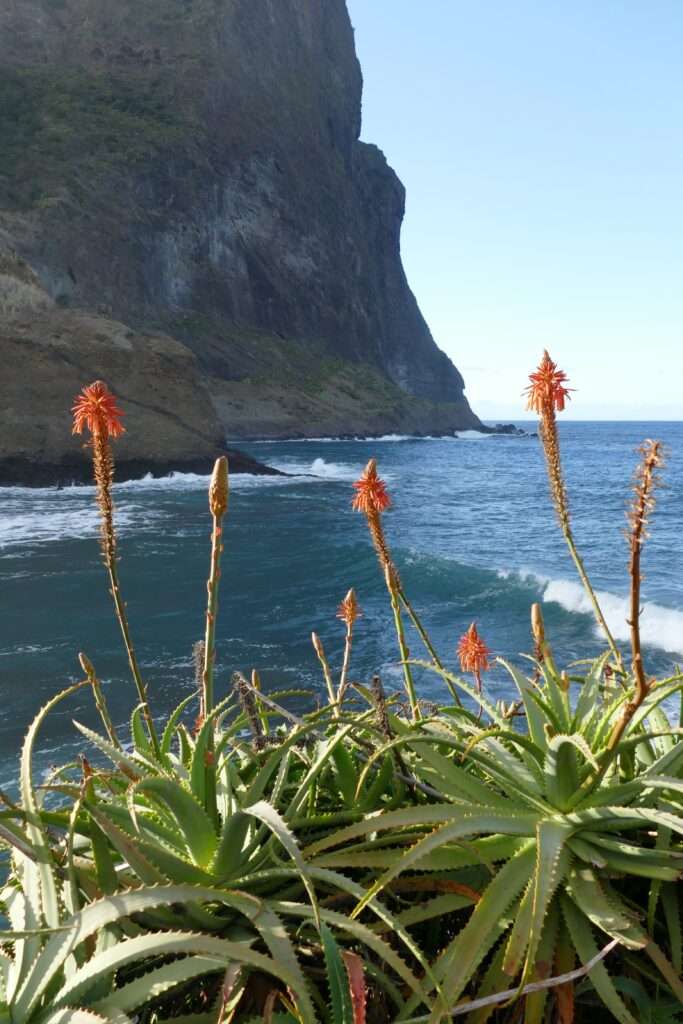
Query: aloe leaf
(326, 752)
(534, 716)
(671, 976)
(69, 1015)
(672, 915)
(221, 951)
(589, 696)
(553, 858)
(345, 773)
(129, 849)
(110, 910)
(137, 731)
(368, 796)
(340, 995)
(582, 937)
(443, 773)
(229, 853)
(156, 983)
(485, 820)
(48, 889)
(174, 868)
(545, 955)
(359, 932)
(557, 696)
(520, 933)
(624, 818)
(335, 880)
(128, 765)
(13, 836)
(277, 825)
(170, 728)
(562, 776)
(604, 908)
(194, 823)
(138, 820)
(23, 910)
(201, 751)
(509, 772)
(495, 980)
(485, 851)
(422, 817)
(489, 920)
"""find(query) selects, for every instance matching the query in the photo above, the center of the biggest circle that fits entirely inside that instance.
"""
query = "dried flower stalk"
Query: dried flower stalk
(642, 505)
(95, 409)
(245, 693)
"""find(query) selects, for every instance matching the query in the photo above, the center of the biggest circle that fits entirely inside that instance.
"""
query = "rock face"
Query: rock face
(193, 168)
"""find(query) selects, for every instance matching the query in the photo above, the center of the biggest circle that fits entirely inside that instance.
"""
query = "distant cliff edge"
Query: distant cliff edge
(186, 210)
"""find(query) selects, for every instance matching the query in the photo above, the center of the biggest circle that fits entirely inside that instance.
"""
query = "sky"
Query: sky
(541, 146)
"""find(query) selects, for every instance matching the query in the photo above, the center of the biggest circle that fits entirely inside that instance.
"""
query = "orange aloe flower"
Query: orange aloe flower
(349, 610)
(371, 496)
(546, 390)
(473, 653)
(96, 409)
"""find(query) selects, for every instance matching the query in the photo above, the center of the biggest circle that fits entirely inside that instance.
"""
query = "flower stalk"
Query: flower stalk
(348, 612)
(474, 656)
(100, 701)
(218, 506)
(372, 499)
(325, 665)
(95, 409)
(546, 395)
(402, 645)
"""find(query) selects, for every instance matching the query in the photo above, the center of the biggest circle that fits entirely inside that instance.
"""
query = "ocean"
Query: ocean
(472, 530)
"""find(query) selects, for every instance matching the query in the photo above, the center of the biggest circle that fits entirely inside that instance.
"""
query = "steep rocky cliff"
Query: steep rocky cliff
(193, 168)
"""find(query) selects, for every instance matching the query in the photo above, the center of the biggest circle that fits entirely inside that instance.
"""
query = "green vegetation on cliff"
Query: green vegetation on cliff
(65, 130)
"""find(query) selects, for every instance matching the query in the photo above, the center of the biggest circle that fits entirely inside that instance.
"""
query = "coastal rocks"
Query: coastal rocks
(47, 354)
(507, 428)
(193, 168)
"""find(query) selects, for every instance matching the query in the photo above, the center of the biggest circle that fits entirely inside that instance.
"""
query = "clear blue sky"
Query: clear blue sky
(541, 145)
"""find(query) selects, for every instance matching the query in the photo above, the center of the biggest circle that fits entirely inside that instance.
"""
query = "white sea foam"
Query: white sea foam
(660, 626)
(333, 470)
(47, 521)
(472, 435)
(32, 516)
(352, 440)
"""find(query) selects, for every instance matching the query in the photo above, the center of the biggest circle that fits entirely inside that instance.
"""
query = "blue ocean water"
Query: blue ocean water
(472, 529)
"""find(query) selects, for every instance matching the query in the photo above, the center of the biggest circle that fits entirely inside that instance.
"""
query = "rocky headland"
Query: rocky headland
(186, 211)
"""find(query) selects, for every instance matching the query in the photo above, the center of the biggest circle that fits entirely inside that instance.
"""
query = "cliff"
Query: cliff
(192, 169)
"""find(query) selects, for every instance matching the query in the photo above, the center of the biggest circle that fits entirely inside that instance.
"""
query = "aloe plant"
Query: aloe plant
(564, 822)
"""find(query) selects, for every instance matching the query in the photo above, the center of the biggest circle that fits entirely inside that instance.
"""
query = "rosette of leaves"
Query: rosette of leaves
(567, 839)
(220, 863)
(73, 934)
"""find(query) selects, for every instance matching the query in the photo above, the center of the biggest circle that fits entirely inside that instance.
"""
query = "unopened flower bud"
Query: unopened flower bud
(537, 625)
(86, 665)
(218, 488)
(317, 645)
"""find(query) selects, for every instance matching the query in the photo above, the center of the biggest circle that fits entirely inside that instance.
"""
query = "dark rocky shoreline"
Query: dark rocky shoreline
(19, 472)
